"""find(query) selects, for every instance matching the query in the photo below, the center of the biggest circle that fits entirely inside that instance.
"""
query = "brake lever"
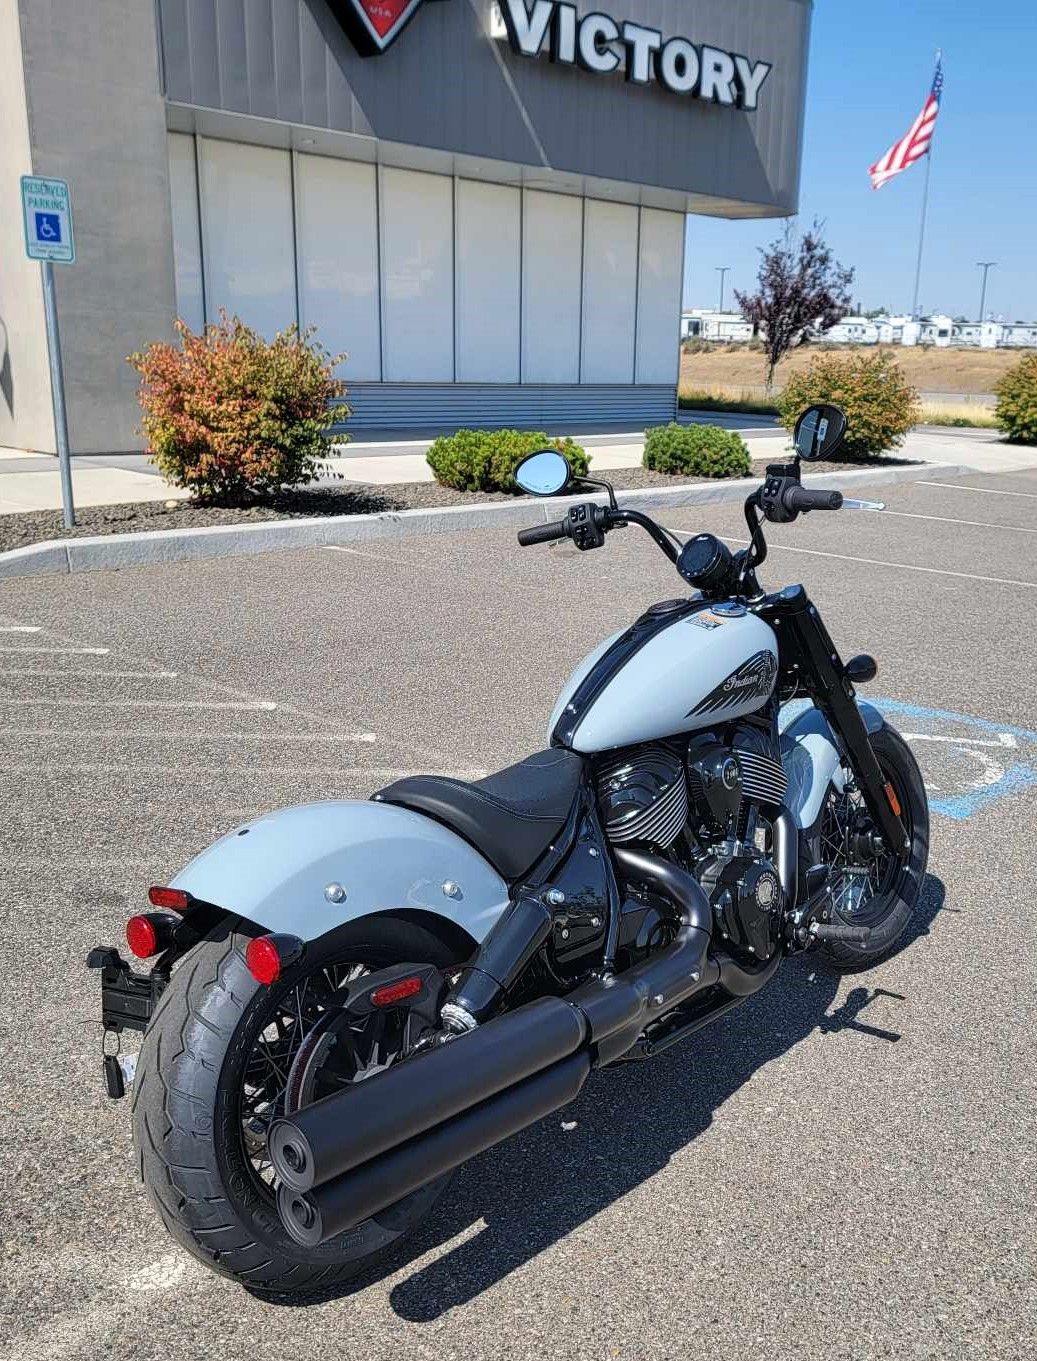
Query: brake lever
(851, 503)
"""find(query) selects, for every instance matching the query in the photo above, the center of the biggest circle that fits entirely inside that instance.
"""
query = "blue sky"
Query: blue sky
(870, 69)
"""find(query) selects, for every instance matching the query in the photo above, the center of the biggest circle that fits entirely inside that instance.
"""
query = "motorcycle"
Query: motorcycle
(347, 1000)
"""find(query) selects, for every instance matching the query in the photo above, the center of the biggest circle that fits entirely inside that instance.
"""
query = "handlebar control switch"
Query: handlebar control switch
(707, 563)
(587, 524)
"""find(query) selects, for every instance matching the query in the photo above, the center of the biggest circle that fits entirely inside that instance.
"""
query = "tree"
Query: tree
(801, 291)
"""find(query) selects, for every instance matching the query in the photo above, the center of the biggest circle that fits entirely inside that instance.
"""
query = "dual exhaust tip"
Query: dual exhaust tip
(358, 1151)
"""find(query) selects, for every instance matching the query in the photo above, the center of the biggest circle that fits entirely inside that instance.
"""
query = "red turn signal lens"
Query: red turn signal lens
(174, 898)
(263, 960)
(142, 936)
(395, 992)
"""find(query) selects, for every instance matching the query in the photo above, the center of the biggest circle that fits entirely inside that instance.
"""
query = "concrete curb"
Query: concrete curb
(113, 551)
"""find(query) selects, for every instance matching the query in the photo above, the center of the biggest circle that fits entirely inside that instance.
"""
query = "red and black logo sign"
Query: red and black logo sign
(374, 25)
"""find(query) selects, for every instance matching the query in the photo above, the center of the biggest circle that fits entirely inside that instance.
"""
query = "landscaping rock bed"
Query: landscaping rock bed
(346, 498)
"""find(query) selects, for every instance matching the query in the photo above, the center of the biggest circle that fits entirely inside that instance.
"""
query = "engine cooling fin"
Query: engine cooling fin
(643, 796)
(763, 779)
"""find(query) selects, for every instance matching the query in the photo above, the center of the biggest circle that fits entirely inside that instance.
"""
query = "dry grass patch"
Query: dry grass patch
(742, 370)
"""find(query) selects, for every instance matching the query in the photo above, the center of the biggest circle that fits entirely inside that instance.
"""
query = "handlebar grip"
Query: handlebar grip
(557, 529)
(803, 498)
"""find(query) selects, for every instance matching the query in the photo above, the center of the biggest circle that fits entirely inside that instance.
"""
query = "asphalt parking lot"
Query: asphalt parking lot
(841, 1168)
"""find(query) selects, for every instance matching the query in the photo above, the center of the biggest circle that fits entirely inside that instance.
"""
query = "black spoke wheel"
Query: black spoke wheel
(224, 1056)
(872, 885)
(306, 1048)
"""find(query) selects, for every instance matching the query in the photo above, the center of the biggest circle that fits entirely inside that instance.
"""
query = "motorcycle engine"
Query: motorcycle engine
(704, 801)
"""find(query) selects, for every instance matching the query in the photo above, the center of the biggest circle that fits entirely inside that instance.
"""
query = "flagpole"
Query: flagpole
(921, 234)
(925, 211)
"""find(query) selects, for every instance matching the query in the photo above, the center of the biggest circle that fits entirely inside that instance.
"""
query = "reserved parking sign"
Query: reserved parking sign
(47, 214)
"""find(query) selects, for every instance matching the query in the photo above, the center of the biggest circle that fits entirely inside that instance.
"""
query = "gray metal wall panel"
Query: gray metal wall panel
(203, 67)
(551, 407)
(232, 54)
(174, 39)
(287, 62)
(442, 86)
(259, 44)
(313, 70)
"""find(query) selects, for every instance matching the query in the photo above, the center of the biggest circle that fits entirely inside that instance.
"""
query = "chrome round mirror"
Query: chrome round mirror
(545, 473)
(819, 432)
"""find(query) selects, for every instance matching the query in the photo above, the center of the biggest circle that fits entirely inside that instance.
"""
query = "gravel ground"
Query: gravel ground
(356, 498)
(840, 1170)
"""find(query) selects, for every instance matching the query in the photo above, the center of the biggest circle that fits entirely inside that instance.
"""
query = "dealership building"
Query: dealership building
(483, 204)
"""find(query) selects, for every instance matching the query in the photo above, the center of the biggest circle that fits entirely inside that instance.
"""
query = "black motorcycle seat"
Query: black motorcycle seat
(510, 816)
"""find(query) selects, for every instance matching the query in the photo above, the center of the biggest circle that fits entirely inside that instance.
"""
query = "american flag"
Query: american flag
(915, 144)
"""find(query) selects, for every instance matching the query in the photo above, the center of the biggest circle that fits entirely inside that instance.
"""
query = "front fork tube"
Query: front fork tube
(807, 647)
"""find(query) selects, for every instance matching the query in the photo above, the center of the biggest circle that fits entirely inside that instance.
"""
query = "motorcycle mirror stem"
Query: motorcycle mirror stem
(600, 482)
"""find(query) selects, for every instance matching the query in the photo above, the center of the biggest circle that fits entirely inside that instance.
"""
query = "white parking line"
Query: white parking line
(54, 651)
(1004, 739)
(359, 552)
(260, 704)
(165, 735)
(976, 524)
(384, 773)
(20, 628)
(105, 675)
(879, 562)
(991, 491)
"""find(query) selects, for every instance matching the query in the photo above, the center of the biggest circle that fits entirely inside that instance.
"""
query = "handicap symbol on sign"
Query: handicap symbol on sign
(48, 227)
(967, 762)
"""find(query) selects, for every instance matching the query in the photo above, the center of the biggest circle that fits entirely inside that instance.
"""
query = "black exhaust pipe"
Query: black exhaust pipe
(326, 1139)
(339, 1205)
(368, 1146)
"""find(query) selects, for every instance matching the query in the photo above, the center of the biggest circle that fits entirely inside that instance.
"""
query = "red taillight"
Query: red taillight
(174, 898)
(395, 992)
(263, 959)
(142, 936)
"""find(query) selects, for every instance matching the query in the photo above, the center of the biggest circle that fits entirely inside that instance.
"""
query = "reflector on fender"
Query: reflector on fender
(891, 794)
(175, 898)
(267, 956)
(396, 992)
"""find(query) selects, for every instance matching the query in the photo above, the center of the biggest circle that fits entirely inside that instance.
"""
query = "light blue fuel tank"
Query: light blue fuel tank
(682, 666)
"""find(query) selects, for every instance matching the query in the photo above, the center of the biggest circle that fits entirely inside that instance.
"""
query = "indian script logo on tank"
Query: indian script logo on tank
(374, 25)
(754, 679)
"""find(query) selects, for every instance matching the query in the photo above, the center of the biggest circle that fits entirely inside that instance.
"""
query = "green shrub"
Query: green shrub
(229, 415)
(485, 460)
(702, 450)
(1016, 409)
(881, 405)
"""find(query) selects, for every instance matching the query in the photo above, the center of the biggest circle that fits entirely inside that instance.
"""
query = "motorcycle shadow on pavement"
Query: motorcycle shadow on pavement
(630, 1120)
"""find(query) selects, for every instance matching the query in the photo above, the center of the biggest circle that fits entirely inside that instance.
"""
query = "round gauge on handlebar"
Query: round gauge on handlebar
(706, 562)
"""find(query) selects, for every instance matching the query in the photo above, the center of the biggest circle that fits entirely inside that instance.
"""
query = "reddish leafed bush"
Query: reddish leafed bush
(231, 416)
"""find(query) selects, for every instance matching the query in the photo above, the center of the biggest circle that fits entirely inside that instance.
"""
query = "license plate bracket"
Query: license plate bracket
(127, 998)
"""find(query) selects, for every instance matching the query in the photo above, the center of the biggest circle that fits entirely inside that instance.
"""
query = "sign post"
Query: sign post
(47, 215)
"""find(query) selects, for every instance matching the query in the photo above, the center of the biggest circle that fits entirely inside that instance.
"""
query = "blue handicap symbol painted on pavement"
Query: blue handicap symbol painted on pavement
(967, 762)
(48, 227)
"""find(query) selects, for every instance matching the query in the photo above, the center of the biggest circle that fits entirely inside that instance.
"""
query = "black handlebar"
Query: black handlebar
(780, 500)
(557, 529)
(796, 498)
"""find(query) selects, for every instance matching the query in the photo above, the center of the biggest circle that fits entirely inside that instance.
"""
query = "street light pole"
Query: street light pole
(722, 270)
(986, 266)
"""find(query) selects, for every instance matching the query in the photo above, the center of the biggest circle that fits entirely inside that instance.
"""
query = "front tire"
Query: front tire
(198, 1144)
(887, 908)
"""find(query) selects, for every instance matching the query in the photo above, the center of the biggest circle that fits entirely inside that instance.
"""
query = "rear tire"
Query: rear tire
(889, 913)
(187, 1112)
